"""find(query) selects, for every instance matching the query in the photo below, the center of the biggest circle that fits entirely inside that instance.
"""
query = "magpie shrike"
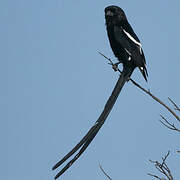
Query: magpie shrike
(128, 49)
(124, 42)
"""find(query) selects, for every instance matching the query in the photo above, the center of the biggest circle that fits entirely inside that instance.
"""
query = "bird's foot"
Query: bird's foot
(128, 79)
(115, 66)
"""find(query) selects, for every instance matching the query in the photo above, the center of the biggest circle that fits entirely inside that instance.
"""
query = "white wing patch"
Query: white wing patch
(127, 51)
(129, 58)
(132, 39)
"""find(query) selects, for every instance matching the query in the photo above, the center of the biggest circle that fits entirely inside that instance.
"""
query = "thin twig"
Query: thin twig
(105, 172)
(175, 105)
(155, 176)
(114, 66)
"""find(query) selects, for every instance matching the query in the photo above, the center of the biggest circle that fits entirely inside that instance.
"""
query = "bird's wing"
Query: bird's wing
(128, 41)
(127, 27)
(131, 44)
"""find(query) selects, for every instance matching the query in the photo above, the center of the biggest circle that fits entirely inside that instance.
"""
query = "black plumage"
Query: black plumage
(127, 48)
(124, 42)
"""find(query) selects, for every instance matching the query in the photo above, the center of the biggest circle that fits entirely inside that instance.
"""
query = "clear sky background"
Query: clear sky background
(54, 86)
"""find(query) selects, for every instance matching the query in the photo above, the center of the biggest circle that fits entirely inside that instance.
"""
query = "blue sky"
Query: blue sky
(54, 85)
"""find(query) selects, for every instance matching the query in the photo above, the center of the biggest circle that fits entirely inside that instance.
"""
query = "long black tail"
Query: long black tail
(86, 140)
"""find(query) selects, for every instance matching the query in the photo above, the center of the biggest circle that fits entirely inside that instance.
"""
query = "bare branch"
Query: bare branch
(156, 99)
(105, 172)
(146, 91)
(169, 125)
(162, 168)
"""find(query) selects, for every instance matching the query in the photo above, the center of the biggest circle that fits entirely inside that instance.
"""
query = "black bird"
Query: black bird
(127, 48)
(124, 42)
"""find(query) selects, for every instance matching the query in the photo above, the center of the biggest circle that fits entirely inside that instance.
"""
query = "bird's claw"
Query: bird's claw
(114, 66)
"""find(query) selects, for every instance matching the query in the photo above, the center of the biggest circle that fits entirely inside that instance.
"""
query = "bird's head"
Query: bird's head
(114, 13)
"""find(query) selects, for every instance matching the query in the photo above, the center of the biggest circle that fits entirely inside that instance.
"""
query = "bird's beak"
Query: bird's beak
(109, 13)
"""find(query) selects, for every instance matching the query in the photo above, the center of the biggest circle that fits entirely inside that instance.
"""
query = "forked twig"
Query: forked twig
(162, 168)
(169, 125)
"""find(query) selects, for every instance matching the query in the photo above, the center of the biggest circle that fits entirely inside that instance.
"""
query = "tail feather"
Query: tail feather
(86, 140)
(144, 72)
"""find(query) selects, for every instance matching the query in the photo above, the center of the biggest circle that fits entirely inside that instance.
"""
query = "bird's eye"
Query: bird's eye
(109, 13)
